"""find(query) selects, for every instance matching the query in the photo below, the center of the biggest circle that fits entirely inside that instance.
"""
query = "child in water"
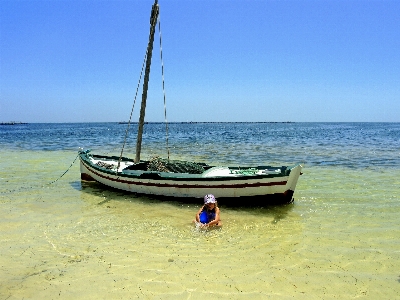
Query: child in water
(209, 215)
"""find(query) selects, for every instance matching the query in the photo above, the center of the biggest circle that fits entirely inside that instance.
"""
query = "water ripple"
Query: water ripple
(355, 145)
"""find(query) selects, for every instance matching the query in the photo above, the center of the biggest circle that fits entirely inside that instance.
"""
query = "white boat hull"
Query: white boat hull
(187, 185)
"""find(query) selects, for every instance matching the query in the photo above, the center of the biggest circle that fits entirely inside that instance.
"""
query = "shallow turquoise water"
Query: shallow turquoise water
(339, 239)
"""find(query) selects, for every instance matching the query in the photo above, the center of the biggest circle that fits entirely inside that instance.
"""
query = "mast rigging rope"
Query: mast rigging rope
(133, 106)
(163, 86)
(137, 90)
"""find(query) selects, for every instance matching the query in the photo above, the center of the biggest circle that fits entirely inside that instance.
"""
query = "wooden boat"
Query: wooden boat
(278, 183)
(179, 179)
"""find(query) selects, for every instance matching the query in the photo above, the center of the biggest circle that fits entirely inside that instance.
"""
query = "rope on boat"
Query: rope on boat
(163, 86)
(133, 106)
(137, 89)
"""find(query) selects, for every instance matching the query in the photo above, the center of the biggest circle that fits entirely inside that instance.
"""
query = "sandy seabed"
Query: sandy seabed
(72, 240)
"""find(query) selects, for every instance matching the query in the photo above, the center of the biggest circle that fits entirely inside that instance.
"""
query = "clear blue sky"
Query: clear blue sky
(261, 60)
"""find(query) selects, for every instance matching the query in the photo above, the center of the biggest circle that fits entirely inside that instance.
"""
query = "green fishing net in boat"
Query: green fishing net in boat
(250, 171)
(174, 166)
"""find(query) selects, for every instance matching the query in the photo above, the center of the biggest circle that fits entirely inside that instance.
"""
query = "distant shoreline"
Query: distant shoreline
(199, 122)
(191, 122)
(212, 122)
(13, 123)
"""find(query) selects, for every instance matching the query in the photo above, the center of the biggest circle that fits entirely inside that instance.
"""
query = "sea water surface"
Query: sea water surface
(66, 239)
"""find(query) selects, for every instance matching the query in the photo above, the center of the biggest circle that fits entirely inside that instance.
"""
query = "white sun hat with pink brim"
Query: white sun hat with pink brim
(209, 199)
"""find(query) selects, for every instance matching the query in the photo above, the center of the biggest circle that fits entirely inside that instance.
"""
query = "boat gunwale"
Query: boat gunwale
(164, 176)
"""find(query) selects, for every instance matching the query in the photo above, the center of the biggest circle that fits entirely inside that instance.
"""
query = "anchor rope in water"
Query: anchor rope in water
(65, 171)
(41, 186)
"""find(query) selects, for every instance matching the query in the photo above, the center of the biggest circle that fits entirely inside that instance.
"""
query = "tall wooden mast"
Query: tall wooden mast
(153, 23)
